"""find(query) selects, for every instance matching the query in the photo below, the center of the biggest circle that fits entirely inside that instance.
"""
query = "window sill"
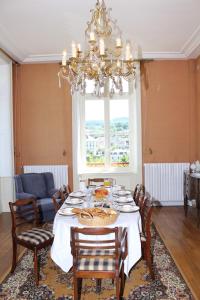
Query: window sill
(115, 172)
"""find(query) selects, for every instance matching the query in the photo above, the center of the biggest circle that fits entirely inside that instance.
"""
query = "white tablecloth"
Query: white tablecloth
(61, 250)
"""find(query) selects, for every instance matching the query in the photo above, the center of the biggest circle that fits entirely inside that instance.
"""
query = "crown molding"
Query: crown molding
(191, 48)
(164, 55)
(52, 58)
(43, 58)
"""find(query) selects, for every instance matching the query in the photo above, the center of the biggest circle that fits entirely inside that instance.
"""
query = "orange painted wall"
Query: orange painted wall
(43, 114)
(42, 117)
(198, 102)
(169, 127)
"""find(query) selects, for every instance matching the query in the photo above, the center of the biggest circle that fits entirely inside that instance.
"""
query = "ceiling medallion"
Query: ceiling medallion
(106, 59)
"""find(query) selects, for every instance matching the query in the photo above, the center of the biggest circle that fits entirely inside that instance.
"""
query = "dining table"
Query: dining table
(61, 249)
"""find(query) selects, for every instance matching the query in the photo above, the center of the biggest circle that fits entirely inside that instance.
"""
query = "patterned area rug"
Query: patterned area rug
(57, 285)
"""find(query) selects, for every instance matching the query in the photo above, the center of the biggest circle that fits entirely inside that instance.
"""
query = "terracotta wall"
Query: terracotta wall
(198, 103)
(42, 117)
(169, 116)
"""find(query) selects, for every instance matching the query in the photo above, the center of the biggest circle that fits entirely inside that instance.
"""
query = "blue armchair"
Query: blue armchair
(39, 186)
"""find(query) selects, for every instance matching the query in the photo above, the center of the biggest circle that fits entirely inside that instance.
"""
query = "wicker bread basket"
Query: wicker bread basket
(98, 221)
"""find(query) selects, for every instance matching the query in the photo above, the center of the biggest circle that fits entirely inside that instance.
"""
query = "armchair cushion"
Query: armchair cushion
(34, 183)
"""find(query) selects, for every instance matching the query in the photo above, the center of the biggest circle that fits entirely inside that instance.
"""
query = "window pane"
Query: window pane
(94, 130)
(119, 133)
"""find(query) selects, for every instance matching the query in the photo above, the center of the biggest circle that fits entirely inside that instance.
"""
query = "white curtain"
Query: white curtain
(77, 100)
(6, 134)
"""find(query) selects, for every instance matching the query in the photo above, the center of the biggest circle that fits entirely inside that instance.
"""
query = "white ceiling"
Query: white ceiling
(38, 30)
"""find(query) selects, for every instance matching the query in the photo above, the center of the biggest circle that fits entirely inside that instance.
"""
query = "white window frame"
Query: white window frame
(107, 168)
(132, 174)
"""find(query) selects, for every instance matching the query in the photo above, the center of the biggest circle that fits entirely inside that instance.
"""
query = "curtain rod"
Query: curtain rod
(10, 57)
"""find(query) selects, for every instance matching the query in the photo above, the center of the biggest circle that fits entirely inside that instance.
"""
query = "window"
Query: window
(106, 132)
(110, 128)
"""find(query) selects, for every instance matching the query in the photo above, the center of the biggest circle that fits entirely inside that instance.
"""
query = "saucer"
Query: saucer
(74, 201)
(123, 199)
(123, 193)
(77, 194)
(66, 211)
(128, 208)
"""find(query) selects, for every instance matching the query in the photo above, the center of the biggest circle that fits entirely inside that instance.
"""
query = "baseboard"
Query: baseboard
(168, 203)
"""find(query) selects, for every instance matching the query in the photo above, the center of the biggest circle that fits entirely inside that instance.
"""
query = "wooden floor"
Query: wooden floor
(182, 238)
(180, 235)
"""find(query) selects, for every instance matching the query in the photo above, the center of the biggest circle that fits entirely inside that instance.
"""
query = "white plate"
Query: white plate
(77, 194)
(196, 175)
(128, 208)
(66, 211)
(74, 201)
(123, 193)
(123, 199)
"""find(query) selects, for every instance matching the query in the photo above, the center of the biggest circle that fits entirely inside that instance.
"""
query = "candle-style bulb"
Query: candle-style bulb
(79, 47)
(74, 50)
(92, 36)
(118, 42)
(64, 58)
(101, 46)
(128, 51)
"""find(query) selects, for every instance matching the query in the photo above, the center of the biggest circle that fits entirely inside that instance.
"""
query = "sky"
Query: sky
(94, 109)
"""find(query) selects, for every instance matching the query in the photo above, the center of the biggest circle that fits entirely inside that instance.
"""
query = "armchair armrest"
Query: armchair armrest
(25, 196)
(52, 192)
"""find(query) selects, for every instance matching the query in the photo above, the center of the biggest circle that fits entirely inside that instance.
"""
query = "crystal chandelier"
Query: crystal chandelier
(106, 59)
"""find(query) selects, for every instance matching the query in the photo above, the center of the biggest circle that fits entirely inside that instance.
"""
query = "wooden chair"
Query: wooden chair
(141, 203)
(59, 197)
(25, 211)
(138, 191)
(94, 258)
(100, 181)
(146, 236)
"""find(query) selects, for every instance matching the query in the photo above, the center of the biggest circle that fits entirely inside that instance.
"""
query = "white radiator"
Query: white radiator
(164, 182)
(60, 172)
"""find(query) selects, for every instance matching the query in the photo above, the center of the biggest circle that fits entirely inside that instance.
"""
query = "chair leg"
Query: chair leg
(148, 258)
(79, 287)
(117, 288)
(14, 258)
(98, 286)
(185, 205)
(36, 267)
(122, 279)
(75, 288)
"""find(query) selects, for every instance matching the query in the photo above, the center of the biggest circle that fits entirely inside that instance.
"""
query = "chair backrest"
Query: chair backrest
(58, 199)
(62, 194)
(79, 243)
(142, 201)
(66, 190)
(138, 191)
(101, 181)
(23, 211)
(146, 220)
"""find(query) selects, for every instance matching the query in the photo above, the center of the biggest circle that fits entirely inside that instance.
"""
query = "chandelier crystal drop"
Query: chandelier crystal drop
(106, 59)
